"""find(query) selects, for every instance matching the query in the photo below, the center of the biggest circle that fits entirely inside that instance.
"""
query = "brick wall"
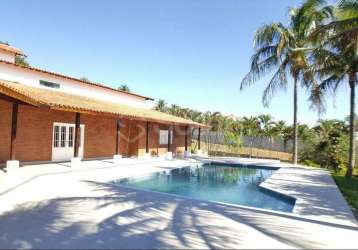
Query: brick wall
(5, 120)
(35, 128)
(35, 132)
(100, 136)
(155, 148)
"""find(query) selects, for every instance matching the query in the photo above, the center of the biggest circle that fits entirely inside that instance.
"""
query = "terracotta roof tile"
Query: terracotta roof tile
(57, 100)
(11, 49)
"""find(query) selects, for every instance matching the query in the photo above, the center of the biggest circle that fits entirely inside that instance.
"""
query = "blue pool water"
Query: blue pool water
(229, 184)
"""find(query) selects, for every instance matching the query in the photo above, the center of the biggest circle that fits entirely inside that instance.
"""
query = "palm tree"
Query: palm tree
(278, 131)
(273, 50)
(161, 105)
(336, 61)
(279, 127)
(124, 87)
(21, 60)
(266, 127)
(287, 135)
(195, 116)
(266, 124)
(206, 117)
(251, 128)
(325, 127)
(284, 49)
(343, 24)
(174, 110)
(305, 133)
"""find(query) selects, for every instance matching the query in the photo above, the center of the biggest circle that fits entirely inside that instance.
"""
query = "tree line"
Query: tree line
(317, 50)
(324, 145)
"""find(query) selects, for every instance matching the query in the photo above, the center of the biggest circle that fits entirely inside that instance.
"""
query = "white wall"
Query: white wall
(30, 77)
(7, 56)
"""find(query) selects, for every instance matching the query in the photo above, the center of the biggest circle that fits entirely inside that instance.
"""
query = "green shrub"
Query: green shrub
(310, 163)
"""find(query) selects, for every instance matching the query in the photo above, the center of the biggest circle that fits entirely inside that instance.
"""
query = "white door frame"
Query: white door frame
(63, 150)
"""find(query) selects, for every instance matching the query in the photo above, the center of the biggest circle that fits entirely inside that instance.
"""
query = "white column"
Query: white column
(117, 159)
(187, 154)
(12, 167)
(169, 156)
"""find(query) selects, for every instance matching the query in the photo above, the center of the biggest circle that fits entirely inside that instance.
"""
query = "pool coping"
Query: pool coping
(264, 188)
(305, 205)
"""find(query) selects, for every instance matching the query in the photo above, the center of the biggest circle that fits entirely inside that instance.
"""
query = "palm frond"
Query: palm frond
(329, 31)
(278, 81)
(258, 70)
(309, 15)
(263, 53)
(349, 6)
(331, 83)
(268, 35)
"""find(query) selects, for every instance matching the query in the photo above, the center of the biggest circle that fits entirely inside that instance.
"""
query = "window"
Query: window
(163, 137)
(56, 137)
(70, 137)
(63, 136)
(49, 84)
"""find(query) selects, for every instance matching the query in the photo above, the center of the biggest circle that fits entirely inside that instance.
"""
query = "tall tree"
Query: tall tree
(161, 105)
(21, 60)
(283, 48)
(124, 87)
(174, 110)
(273, 50)
(336, 61)
(266, 124)
(251, 128)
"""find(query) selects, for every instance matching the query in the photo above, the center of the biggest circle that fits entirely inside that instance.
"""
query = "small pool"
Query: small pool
(222, 183)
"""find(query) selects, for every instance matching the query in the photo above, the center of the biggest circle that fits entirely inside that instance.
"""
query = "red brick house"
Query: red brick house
(46, 116)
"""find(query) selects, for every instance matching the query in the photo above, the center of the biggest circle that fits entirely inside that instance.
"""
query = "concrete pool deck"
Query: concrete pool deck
(53, 206)
(317, 196)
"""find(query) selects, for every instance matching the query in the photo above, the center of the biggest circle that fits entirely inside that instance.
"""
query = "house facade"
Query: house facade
(50, 117)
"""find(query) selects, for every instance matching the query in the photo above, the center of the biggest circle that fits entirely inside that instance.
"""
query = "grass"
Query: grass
(349, 188)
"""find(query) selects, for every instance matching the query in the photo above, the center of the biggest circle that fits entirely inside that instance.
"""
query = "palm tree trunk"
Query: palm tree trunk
(251, 145)
(284, 145)
(352, 81)
(295, 127)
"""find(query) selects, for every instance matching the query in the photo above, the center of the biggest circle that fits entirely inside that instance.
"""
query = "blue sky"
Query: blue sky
(193, 53)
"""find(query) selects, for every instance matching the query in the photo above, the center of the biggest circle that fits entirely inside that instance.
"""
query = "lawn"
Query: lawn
(349, 189)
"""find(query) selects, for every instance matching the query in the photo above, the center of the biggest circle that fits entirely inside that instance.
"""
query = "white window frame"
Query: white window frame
(163, 137)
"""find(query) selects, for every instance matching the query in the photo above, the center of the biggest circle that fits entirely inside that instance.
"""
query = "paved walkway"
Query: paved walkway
(80, 209)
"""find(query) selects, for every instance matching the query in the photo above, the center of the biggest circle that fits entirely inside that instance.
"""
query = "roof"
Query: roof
(9, 48)
(56, 100)
(74, 79)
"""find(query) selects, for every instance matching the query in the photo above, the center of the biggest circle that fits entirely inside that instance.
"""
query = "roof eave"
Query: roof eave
(75, 79)
(11, 91)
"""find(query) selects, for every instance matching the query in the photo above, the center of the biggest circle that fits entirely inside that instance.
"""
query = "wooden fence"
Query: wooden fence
(224, 150)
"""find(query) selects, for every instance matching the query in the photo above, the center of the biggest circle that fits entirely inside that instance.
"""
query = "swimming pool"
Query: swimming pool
(221, 183)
